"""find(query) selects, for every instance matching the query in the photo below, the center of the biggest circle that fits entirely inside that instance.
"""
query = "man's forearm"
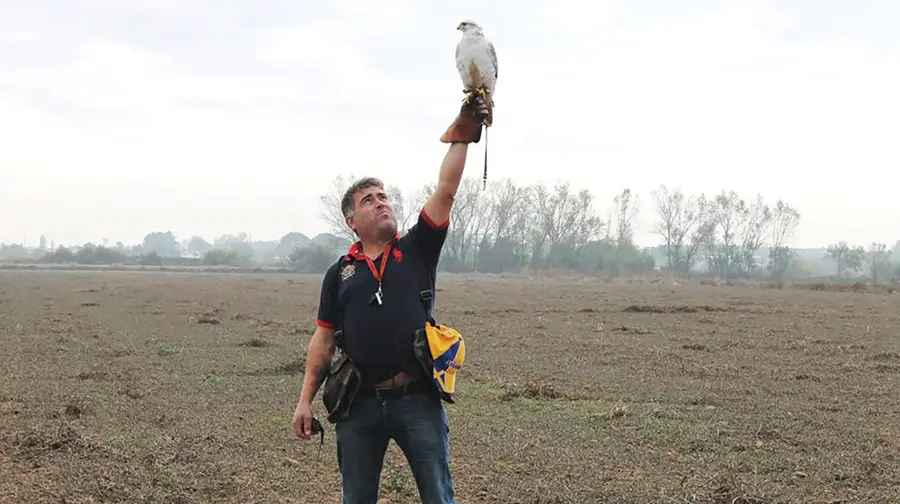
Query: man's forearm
(318, 363)
(439, 204)
(452, 169)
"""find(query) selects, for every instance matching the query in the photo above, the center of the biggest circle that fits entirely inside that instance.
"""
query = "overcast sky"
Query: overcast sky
(118, 117)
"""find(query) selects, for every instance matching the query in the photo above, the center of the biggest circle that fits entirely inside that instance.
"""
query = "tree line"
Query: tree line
(162, 248)
(510, 227)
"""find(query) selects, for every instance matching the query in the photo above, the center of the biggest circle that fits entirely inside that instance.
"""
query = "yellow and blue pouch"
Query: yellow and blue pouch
(441, 350)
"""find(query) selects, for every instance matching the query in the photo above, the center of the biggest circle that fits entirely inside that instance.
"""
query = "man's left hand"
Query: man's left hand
(466, 128)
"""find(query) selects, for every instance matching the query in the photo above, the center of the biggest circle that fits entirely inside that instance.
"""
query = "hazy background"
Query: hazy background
(118, 118)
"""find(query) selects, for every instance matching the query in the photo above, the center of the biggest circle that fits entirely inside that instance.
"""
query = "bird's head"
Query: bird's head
(468, 26)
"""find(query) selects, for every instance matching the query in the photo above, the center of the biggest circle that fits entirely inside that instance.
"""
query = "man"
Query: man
(372, 295)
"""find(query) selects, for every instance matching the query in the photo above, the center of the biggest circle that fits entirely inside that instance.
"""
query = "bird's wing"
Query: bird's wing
(493, 57)
(460, 65)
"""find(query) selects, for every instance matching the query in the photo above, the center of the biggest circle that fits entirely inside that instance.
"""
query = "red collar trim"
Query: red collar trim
(355, 251)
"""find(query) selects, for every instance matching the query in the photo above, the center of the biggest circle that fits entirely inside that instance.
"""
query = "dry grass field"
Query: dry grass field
(179, 388)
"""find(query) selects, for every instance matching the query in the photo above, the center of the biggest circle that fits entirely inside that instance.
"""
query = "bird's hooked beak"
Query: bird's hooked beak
(461, 26)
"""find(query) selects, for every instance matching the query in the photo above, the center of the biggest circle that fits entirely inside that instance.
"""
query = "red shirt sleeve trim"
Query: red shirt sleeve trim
(432, 224)
(326, 325)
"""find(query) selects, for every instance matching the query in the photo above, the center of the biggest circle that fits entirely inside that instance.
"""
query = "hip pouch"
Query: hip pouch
(441, 351)
(341, 386)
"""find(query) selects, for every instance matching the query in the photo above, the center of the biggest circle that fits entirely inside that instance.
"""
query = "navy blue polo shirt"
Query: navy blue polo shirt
(379, 338)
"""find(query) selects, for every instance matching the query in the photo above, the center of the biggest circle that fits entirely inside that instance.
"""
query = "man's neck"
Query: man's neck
(373, 249)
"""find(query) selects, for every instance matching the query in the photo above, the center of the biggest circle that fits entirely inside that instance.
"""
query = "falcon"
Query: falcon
(476, 61)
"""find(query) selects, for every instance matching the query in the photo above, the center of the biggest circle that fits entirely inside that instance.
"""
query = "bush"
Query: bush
(219, 257)
(315, 259)
(151, 259)
(61, 255)
(88, 254)
(91, 254)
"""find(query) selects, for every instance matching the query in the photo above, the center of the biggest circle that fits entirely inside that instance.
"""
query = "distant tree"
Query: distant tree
(509, 210)
(847, 258)
(565, 221)
(878, 261)
(684, 224)
(723, 255)
(626, 206)
(228, 239)
(289, 243)
(13, 251)
(330, 242)
(505, 215)
(470, 219)
(163, 243)
(753, 227)
(237, 243)
(785, 220)
(198, 246)
(43, 243)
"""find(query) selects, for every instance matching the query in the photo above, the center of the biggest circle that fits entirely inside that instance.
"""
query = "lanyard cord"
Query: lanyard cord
(379, 273)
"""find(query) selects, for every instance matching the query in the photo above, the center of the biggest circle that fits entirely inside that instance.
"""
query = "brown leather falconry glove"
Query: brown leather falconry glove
(466, 128)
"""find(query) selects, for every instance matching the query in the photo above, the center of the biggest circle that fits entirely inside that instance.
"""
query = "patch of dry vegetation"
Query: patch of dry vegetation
(644, 308)
(857, 287)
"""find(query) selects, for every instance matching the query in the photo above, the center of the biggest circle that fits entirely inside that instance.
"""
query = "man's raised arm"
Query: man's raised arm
(466, 129)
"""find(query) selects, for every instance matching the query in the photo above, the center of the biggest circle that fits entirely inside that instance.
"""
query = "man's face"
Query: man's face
(373, 216)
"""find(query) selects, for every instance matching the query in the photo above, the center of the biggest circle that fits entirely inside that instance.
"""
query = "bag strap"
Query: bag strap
(426, 289)
(338, 325)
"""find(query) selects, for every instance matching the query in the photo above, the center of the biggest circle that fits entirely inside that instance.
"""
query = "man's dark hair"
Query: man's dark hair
(363, 183)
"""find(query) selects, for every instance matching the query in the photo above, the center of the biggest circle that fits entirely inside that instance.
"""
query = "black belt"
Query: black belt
(414, 387)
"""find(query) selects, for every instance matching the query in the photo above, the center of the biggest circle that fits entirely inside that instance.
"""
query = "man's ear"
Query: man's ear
(350, 224)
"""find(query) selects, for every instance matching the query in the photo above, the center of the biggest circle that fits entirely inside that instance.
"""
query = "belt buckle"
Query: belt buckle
(398, 391)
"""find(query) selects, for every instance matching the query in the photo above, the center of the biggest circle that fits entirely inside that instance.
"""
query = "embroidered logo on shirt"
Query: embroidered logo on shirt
(347, 271)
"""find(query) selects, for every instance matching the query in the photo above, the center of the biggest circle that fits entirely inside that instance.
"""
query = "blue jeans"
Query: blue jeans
(417, 423)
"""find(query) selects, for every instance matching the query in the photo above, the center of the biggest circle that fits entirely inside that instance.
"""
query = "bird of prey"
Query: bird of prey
(476, 61)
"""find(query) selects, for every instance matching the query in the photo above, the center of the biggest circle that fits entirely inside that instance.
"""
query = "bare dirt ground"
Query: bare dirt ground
(179, 388)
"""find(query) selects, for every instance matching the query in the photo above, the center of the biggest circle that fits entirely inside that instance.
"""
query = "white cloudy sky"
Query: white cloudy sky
(205, 117)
